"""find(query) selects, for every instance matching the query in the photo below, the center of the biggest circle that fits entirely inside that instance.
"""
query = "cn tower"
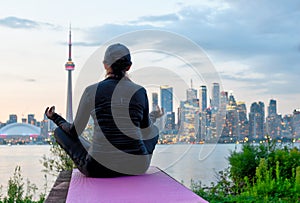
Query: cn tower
(69, 67)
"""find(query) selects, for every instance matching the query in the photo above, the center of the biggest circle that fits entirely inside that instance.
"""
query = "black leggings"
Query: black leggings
(76, 148)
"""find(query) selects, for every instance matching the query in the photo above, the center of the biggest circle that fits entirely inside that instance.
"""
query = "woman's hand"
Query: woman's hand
(159, 112)
(50, 112)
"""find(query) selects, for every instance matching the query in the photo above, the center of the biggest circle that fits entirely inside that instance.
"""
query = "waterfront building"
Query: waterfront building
(296, 124)
(273, 121)
(30, 119)
(243, 123)
(272, 108)
(191, 94)
(166, 98)
(203, 98)
(230, 127)
(223, 100)
(256, 120)
(189, 122)
(13, 118)
(154, 100)
(287, 127)
(215, 99)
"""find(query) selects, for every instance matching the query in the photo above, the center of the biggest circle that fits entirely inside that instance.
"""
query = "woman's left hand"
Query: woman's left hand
(50, 112)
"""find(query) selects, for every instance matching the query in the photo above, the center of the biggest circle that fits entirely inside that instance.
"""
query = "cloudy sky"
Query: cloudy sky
(254, 46)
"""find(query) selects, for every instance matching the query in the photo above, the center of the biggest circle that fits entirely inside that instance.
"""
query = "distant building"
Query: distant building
(272, 109)
(166, 94)
(17, 130)
(13, 118)
(31, 120)
(154, 100)
(215, 99)
(223, 100)
(273, 121)
(203, 98)
(256, 120)
(243, 123)
(230, 131)
(170, 121)
(191, 93)
(287, 126)
(296, 123)
(24, 120)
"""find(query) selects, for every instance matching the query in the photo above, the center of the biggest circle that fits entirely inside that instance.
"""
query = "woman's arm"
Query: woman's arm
(81, 118)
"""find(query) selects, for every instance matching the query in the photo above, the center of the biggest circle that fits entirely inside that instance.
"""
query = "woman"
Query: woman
(124, 135)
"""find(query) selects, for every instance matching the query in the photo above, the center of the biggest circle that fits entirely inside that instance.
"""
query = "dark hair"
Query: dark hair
(119, 66)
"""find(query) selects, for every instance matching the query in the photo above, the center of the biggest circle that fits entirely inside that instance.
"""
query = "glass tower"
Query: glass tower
(166, 95)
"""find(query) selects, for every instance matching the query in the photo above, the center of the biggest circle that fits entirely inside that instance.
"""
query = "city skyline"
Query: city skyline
(166, 92)
(255, 57)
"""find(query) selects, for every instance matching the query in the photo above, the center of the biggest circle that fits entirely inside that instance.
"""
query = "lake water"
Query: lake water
(182, 162)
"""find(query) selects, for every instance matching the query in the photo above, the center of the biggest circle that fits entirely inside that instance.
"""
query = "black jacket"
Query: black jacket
(122, 125)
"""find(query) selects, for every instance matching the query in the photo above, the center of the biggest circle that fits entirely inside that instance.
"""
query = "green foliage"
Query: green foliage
(259, 173)
(58, 161)
(16, 192)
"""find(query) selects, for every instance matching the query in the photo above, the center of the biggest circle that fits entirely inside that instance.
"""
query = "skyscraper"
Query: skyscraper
(296, 123)
(191, 94)
(166, 95)
(31, 120)
(243, 126)
(154, 100)
(272, 109)
(215, 99)
(69, 67)
(256, 120)
(203, 98)
(273, 121)
(13, 118)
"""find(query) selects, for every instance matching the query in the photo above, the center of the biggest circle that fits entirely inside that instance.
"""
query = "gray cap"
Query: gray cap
(115, 52)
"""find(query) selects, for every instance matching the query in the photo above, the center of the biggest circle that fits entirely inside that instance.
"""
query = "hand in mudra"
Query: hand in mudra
(159, 112)
(50, 112)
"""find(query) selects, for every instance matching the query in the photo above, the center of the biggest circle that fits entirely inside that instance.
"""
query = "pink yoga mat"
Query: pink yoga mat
(154, 186)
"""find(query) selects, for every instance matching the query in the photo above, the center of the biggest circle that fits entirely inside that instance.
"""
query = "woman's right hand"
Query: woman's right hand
(50, 112)
(159, 112)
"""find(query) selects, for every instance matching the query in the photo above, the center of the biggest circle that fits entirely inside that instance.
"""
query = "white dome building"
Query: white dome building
(19, 130)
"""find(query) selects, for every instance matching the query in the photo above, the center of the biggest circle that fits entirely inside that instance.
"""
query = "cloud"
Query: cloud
(161, 18)
(263, 36)
(22, 23)
(14, 22)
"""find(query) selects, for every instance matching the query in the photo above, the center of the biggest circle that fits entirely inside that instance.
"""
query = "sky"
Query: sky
(253, 46)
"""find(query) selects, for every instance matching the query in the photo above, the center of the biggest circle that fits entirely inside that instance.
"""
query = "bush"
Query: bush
(58, 161)
(259, 173)
(16, 191)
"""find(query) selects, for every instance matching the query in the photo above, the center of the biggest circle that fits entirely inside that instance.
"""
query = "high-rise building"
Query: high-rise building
(166, 95)
(69, 67)
(215, 99)
(170, 121)
(223, 100)
(231, 100)
(191, 94)
(243, 126)
(203, 98)
(256, 120)
(296, 124)
(13, 118)
(287, 127)
(31, 120)
(154, 100)
(272, 109)
(273, 121)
